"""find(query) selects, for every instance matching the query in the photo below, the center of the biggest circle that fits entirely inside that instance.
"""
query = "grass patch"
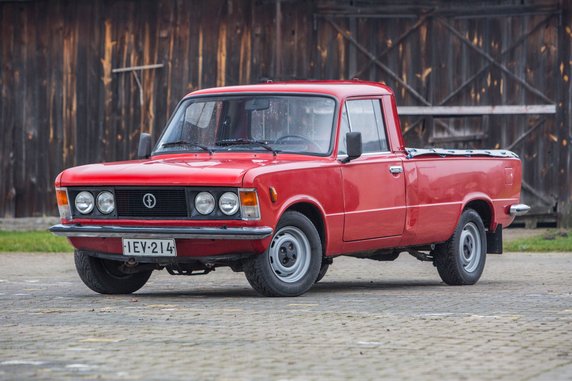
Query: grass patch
(551, 241)
(44, 241)
(33, 241)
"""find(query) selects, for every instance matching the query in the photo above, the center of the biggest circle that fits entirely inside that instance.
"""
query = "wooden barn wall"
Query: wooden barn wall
(61, 105)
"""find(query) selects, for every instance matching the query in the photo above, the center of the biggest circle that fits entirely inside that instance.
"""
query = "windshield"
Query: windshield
(294, 124)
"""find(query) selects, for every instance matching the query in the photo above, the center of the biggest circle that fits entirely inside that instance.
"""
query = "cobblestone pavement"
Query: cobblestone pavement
(366, 321)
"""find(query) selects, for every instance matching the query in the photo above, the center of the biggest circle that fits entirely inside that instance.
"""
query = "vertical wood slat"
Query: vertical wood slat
(563, 119)
(7, 109)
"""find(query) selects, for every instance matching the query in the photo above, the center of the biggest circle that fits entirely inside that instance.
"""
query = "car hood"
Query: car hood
(159, 171)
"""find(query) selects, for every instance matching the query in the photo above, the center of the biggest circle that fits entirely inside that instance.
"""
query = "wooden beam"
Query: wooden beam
(477, 110)
(545, 199)
(528, 132)
(457, 138)
(408, 11)
(132, 68)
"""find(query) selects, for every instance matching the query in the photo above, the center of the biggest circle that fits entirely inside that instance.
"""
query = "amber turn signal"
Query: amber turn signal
(248, 198)
(62, 196)
(273, 194)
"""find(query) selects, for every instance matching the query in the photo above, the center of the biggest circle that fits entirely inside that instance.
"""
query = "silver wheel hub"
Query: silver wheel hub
(289, 254)
(470, 247)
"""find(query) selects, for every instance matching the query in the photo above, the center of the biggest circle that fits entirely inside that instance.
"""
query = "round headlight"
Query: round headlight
(228, 203)
(84, 202)
(105, 202)
(204, 203)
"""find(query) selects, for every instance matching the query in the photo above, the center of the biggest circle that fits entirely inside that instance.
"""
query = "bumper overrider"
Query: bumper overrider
(186, 232)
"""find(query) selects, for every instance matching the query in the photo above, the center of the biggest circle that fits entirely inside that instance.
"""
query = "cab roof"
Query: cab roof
(338, 89)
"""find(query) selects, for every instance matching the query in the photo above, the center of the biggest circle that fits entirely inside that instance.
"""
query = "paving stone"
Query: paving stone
(365, 321)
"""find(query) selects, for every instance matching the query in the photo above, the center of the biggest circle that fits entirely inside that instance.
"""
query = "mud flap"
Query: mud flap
(494, 241)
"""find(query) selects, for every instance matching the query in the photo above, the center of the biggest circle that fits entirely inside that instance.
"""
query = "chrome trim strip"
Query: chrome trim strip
(184, 232)
(519, 209)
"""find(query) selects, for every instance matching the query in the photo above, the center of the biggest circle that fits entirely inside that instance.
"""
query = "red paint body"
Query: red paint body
(362, 206)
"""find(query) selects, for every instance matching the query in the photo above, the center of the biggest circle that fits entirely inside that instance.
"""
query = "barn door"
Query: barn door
(465, 77)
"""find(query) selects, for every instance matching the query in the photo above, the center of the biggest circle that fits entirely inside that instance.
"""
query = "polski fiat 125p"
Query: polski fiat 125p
(276, 180)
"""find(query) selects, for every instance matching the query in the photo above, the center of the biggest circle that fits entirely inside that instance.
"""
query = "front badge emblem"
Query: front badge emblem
(149, 200)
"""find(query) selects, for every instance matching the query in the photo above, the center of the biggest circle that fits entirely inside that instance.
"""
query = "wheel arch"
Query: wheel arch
(315, 214)
(484, 207)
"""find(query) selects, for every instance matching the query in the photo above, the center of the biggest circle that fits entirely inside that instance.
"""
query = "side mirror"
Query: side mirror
(353, 145)
(145, 146)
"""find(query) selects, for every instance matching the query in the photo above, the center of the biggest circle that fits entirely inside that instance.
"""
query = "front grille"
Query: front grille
(168, 203)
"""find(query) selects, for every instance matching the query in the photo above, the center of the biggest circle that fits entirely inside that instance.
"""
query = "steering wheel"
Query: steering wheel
(308, 142)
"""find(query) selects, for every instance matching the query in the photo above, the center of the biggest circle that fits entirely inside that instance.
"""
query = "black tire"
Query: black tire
(291, 264)
(461, 260)
(105, 276)
(323, 271)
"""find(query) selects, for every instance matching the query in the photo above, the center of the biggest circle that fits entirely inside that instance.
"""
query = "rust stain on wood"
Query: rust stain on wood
(221, 55)
(341, 56)
(245, 57)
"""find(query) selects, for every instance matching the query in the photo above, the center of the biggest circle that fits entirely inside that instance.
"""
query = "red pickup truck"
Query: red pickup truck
(276, 180)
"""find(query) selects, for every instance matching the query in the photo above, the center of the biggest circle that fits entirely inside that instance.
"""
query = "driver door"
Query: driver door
(373, 184)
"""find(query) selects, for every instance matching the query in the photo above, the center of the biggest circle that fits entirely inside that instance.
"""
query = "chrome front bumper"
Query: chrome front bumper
(183, 232)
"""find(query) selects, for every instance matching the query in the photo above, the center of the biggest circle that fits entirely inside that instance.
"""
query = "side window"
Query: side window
(365, 117)
(344, 129)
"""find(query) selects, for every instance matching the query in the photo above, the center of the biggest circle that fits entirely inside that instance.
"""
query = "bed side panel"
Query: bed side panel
(439, 188)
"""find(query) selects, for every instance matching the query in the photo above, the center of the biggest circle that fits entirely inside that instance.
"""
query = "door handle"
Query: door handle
(395, 169)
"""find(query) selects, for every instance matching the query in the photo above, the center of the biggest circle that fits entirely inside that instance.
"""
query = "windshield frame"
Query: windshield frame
(215, 150)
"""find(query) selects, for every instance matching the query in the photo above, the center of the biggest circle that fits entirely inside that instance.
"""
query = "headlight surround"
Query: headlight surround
(105, 202)
(205, 203)
(84, 202)
(228, 203)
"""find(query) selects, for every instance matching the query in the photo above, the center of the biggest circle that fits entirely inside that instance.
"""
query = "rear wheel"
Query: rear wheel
(291, 264)
(461, 260)
(106, 276)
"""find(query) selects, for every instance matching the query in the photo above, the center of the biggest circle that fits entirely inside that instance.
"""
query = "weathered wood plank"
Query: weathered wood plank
(477, 110)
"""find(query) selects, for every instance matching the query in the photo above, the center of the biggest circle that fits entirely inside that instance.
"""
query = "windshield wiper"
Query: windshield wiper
(242, 141)
(187, 143)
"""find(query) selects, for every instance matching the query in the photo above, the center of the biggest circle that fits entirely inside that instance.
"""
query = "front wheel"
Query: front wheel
(292, 262)
(461, 260)
(106, 276)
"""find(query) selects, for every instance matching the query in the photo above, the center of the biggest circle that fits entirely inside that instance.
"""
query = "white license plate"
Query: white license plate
(150, 247)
